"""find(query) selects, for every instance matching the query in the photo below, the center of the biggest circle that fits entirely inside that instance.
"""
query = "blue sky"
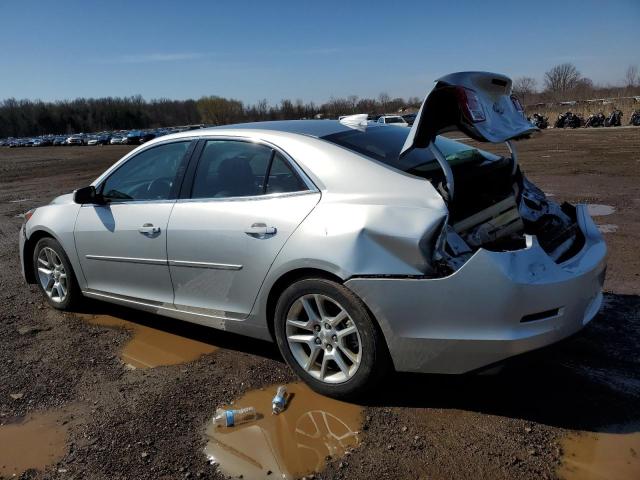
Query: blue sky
(300, 49)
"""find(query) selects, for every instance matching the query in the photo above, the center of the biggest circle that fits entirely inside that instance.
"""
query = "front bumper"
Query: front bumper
(22, 239)
(499, 304)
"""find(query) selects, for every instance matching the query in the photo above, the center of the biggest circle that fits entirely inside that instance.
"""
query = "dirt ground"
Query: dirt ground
(150, 423)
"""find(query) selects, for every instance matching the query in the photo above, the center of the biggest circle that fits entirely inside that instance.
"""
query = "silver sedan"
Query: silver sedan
(358, 248)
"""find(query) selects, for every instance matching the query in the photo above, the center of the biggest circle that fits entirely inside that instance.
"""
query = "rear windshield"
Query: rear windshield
(384, 144)
(394, 120)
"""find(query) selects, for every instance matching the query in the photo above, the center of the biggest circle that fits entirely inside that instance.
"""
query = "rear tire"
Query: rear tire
(329, 338)
(54, 275)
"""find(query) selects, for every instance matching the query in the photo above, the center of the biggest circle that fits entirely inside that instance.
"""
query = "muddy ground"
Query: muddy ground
(149, 423)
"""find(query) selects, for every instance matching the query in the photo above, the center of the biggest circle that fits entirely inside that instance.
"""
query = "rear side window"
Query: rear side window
(229, 168)
(282, 178)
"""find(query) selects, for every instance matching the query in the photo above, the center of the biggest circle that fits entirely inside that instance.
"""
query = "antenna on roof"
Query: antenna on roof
(357, 120)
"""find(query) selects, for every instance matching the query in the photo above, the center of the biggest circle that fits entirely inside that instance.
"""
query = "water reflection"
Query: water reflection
(150, 347)
(36, 442)
(289, 445)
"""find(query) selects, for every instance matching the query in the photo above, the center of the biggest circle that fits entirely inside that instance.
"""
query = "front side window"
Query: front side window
(150, 175)
(229, 168)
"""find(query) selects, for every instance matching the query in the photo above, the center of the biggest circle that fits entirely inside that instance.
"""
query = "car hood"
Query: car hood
(65, 199)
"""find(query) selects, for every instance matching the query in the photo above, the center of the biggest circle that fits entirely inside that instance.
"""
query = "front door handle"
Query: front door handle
(260, 230)
(149, 230)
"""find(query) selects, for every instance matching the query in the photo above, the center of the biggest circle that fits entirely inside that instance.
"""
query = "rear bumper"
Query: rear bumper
(499, 304)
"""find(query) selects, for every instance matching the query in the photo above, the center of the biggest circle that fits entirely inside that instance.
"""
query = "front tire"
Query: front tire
(329, 338)
(54, 275)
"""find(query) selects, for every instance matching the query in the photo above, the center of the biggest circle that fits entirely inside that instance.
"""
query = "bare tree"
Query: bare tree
(561, 78)
(632, 77)
(384, 100)
(524, 87)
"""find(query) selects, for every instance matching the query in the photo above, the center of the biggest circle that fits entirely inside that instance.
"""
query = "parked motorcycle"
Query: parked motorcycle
(539, 121)
(595, 120)
(568, 120)
(614, 120)
(635, 118)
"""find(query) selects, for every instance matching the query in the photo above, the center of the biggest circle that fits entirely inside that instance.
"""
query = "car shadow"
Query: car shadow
(590, 381)
(200, 333)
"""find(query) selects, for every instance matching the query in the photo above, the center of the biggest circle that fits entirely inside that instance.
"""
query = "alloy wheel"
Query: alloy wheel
(52, 275)
(323, 338)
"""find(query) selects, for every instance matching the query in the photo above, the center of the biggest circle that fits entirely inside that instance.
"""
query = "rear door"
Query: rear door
(245, 200)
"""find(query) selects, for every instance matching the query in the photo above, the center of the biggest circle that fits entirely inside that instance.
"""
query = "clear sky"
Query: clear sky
(300, 49)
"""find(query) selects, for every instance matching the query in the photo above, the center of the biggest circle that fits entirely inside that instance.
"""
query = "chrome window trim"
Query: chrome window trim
(128, 202)
(247, 198)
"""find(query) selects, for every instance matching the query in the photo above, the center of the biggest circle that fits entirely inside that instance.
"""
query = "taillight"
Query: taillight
(470, 104)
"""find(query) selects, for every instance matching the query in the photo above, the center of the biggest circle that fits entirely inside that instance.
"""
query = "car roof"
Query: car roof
(312, 128)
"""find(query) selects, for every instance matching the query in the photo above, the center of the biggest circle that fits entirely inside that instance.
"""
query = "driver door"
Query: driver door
(121, 243)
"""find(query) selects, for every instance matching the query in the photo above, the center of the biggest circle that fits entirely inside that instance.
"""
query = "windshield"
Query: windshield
(384, 144)
(394, 120)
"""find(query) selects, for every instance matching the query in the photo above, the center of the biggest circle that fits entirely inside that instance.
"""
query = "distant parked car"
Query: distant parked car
(409, 118)
(92, 141)
(395, 120)
(59, 141)
(74, 140)
(146, 136)
(104, 139)
(635, 118)
(116, 140)
(133, 137)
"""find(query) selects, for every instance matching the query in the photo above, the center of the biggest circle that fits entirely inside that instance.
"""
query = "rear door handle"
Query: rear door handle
(260, 230)
(149, 229)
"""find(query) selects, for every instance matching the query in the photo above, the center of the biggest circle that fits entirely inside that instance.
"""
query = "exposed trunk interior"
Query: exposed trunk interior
(494, 208)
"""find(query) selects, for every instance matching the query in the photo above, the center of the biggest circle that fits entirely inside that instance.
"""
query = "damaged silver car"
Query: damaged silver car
(357, 248)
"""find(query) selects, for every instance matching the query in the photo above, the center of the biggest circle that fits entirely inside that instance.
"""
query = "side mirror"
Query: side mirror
(87, 195)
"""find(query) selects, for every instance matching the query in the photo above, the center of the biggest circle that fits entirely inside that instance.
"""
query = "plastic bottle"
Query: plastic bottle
(279, 402)
(229, 418)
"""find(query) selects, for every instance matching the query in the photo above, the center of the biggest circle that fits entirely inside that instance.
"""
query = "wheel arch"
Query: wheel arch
(287, 279)
(29, 247)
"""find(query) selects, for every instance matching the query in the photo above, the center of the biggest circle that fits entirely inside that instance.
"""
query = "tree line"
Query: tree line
(21, 118)
(564, 82)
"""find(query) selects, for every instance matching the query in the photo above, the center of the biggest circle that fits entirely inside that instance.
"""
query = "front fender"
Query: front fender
(56, 220)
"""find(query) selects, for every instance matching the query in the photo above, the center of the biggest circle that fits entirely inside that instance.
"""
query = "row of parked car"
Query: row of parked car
(138, 137)
(121, 137)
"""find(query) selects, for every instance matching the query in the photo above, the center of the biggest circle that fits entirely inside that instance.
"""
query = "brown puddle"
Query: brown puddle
(39, 440)
(601, 456)
(289, 445)
(150, 347)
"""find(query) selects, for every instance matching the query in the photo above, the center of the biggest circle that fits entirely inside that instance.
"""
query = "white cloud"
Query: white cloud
(155, 57)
